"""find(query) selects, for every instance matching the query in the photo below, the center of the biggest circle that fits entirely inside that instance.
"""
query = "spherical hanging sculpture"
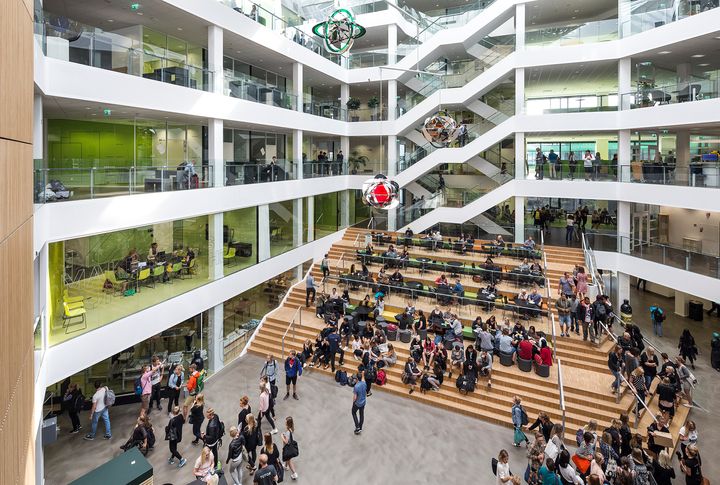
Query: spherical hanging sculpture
(440, 129)
(339, 31)
(381, 193)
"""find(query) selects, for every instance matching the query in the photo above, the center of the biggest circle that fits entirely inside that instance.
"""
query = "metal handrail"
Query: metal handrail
(297, 316)
(561, 387)
(554, 334)
(637, 398)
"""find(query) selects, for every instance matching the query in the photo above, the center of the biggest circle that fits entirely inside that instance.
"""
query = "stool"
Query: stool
(382, 325)
(405, 336)
(542, 370)
(392, 336)
(361, 326)
(506, 359)
(525, 365)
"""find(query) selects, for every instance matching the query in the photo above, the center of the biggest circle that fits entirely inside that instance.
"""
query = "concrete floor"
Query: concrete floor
(402, 442)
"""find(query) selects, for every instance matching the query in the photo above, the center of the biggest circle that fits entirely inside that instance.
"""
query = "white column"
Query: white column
(623, 227)
(216, 246)
(624, 18)
(215, 152)
(520, 156)
(310, 218)
(38, 125)
(345, 208)
(681, 303)
(344, 96)
(520, 90)
(215, 347)
(392, 44)
(684, 75)
(520, 219)
(624, 156)
(391, 172)
(215, 58)
(392, 99)
(623, 286)
(624, 83)
(297, 158)
(520, 27)
(297, 222)
(263, 232)
(682, 152)
(298, 85)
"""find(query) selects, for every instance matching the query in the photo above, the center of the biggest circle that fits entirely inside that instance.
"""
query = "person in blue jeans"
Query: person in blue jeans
(359, 401)
(99, 410)
(657, 316)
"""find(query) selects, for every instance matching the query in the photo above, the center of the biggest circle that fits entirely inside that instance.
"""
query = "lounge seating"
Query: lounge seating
(525, 365)
(405, 336)
(506, 359)
(73, 316)
(542, 370)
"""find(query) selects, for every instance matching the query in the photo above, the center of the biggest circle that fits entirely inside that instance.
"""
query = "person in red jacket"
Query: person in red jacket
(546, 355)
(525, 349)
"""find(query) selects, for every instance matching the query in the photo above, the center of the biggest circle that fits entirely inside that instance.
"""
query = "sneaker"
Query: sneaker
(357, 431)
(89, 437)
(369, 393)
(294, 476)
(295, 397)
(182, 463)
(274, 431)
(286, 396)
(171, 461)
(107, 437)
(74, 431)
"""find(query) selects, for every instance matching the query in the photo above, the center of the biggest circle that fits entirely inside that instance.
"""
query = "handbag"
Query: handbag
(551, 450)
(290, 450)
(582, 464)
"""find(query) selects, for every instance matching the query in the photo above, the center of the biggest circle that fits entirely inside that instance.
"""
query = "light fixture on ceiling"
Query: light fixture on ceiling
(698, 56)
(140, 13)
(179, 28)
(705, 64)
(88, 107)
(576, 10)
(662, 53)
(111, 20)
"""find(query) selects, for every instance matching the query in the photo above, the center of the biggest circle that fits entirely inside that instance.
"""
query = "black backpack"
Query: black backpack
(659, 315)
(79, 402)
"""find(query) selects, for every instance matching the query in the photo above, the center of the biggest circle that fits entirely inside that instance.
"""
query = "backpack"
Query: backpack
(659, 315)
(579, 436)
(461, 382)
(222, 430)
(381, 378)
(370, 375)
(601, 311)
(77, 406)
(341, 377)
(150, 437)
(200, 384)
(138, 386)
(523, 416)
(351, 381)
(109, 397)
(273, 391)
(192, 384)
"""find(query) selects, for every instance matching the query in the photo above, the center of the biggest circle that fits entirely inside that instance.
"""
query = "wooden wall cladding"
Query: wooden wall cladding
(16, 70)
(16, 185)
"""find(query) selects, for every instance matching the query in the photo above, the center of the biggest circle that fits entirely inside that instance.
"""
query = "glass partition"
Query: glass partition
(282, 223)
(240, 239)
(584, 33)
(695, 90)
(641, 16)
(327, 214)
(98, 279)
(698, 174)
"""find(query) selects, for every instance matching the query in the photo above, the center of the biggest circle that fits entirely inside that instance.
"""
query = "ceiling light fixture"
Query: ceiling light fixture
(662, 53)
(179, 28)
(111, 20)
(705, 64)
(698, 56)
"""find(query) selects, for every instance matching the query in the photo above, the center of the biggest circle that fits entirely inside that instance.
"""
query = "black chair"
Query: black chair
(506, 359)
(542, 370)
(525, 365)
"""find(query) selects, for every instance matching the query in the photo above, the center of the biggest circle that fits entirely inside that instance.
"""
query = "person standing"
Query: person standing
(657, 316)
(325, 266)
(555, 167)
(99, 410)
(616, 362)
(293, 369)
(572, 165)
(539, 161)
(688, 349)
(175, 382)
(190, 389)
(74, 401)
(309, 290)
(156, 381)
(290, 448)
(266, 474)
(504, 477)
(271, 451)
(269, 370)
(265, 408)
(213, 433)
(359, 401)
(563, 307)
(588, 161)
(145, 389)
(519, 419)
(174, 432)
(197, 416)
(251, 434)
(235, 455)
(335, 348)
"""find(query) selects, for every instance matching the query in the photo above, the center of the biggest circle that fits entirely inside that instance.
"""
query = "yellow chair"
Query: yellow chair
(73, 313)
(229, 257)
(73, 301)
(189, 269)
(175, 270)
(157, 273)
(143, 276)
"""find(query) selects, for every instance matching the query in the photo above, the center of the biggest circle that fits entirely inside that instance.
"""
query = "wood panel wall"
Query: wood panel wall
(17, 430)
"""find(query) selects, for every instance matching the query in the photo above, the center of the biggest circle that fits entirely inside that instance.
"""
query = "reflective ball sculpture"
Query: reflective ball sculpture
(381, 193)
(339, 31)
(440, 129)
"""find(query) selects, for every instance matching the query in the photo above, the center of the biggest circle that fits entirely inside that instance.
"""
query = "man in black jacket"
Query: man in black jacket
(212, 433)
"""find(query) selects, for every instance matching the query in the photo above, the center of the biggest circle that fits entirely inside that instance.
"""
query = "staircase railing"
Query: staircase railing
(296, 320)
(561, 387)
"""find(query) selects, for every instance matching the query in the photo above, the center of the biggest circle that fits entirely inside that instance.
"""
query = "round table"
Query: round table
(454, 266)
(423, 262)
(414, 286)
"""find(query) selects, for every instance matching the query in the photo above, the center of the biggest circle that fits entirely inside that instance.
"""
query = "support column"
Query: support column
(623, 288)
(392, 100)
(520, 27)
(215, 152)
(38, 126)
(624, 18)
(215, 58)
(392, 44)
(520, 162)
(216, 246)
(297, 222)
(215, 347)
(344, 96)
(520, 90)
(681, 303)
(624, 83)
(682, 152)
(624, 156)
(684, 75)
(297, 154)
(298, 85)
(520, 220)
(623, 227)
(391, 172)
(344, 208)
(263, 232)
(310, 218)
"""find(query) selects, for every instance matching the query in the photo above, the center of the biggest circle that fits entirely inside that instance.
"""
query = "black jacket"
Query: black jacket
(251, 438)
(614, 362)
(235, 448)
(242, 424)
(177, 423)
(212, 432)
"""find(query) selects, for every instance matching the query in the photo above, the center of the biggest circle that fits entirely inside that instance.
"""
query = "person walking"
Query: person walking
(174, 434)
(325, 266)
(688, 349)
(273, 454)
(616, 362)
(213, 433)
(251, 434)
(309, 290)
(156, 382)
(293, 369)
(145, 389)
(266, 474)
(504, 476)
(359, 401)
(265, 408)
(235, 457)
(519, 419)
(175, 383)
(657, 316)
(74, 401)
(99, 410)
(197, 416)
(290, 448)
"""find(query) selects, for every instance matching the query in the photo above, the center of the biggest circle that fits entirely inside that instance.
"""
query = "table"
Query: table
(454, 266)
(415, 287)
(487, 300)
(423, 262)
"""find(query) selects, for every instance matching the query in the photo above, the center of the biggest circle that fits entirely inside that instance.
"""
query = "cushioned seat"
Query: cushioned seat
(389, 316)
(405, 336)
(468, 333)
(393, 336)
(525, 365)
(542, 370)
(422, 333)
(506, 359)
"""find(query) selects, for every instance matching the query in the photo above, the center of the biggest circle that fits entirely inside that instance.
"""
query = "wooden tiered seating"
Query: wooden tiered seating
(586, 378)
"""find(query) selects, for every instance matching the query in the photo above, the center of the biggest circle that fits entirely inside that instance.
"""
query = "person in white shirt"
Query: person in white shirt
(504, 477)
(99, 410)
(588, 160)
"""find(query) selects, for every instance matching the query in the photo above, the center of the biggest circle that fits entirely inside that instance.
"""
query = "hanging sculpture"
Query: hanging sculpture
(339, 31)
(381, 193)
(440, 129)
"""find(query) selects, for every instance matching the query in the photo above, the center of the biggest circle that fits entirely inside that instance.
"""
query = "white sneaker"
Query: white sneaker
(294, 476)
(274, 431)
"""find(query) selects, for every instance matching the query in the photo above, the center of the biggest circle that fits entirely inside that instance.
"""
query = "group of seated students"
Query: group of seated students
(126, 270)
(527, 344)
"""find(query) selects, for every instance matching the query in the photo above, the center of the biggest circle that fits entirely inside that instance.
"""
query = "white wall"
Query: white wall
(694, 224)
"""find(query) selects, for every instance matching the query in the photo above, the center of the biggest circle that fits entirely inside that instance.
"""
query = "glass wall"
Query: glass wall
(327, 214)
(98, 279)
(359, 212)
(240, 239)
(282, 222)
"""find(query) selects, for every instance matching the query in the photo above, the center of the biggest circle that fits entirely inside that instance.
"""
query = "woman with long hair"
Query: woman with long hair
(245, 409)
(290, 449)
(204, 469)
(504, 477)
(663, 471)
(251, 433)
(197, 416)
(271, 451)
(265, 399)
(688, 349)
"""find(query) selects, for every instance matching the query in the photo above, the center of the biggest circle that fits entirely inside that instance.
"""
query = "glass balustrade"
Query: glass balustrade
(585, 33)
(571, 104)
(326, 109)
(695, 90)
(651, 14)
(250, 90)
(245, 173)
(368, 114)
(696, 174)
(63, 184)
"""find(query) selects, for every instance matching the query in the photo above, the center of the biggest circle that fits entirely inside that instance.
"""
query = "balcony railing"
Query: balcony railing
(700, 174)
(695, 90)
(244, 88)
(585, 33)
(652, 14)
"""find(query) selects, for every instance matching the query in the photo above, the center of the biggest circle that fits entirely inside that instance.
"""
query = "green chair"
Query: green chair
(189, 269)
(174, 271)
(157, 273)
(143, 277)
(70, 314)
(229, 257)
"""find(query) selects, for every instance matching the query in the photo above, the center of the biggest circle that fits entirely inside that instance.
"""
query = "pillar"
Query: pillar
(344, 208)
(520, 162)
(38, 125)
(392, 44)
(263, 232)
(520, 90)
(624, 83)
(215, 152)
(344, 96)
(310, 218)
(392, 100)
(298, 85)
(520, 219)
(624, 156)
(215, 347)
(297, 154)
(682, 152)
(215, 58)
(297, 222)
(684, 75)
(681, 303)
(624, 18)
(391, 172)
(520, 27)
(623, 227)
(623, 288)
(216, 246)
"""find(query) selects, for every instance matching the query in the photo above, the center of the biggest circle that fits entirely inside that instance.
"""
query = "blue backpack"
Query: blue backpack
(341, 377)
(138, 386)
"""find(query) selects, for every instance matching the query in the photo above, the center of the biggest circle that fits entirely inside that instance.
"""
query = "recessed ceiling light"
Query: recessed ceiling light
(576, 10)
(664, 52)
(93, 114)
(140, 13)
(111, 20)
(703, 65)
(179, 28)
(698, 56)
(718, 37)
(88, 107)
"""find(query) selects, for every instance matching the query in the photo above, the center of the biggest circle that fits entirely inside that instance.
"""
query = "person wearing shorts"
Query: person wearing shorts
(293, 369)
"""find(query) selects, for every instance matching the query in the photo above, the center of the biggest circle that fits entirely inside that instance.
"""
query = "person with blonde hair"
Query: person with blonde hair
(251, 433)
(504, 477)
(290, 447)
(245, 409)
(235, 455)
(204, 469)
(663, 471)
(596, 467)
(197, 416)
(265, 399)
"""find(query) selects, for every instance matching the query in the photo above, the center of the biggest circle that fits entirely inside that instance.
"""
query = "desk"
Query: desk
(486, 299)
(415, 288)
(453, 267)
(423, 264)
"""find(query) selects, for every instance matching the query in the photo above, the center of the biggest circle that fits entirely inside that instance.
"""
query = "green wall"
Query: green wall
(327, 214)
(56, 281)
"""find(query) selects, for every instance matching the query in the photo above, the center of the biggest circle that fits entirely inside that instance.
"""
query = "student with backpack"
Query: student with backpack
(657, 316)
(173, 433)
(101, 402)
(213, 433)
(190, 389)
(519, 419)
(265, 399)
(290, 449)
(74, 402)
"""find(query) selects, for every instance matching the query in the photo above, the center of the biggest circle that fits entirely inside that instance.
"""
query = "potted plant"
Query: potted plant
(355, 160)
(373, 104)
(353, 104)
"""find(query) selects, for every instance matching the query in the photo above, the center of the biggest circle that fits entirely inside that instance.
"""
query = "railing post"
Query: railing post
(92, 182)
(687, 262)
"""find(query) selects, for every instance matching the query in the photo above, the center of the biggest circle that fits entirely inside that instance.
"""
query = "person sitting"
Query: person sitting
(506, 342)
(458, 289)
(428, 382)
(524, 266)
(152, 253)
(457, 359)
(411, 374)
(457, 327)
(485, 366)
(536, 269)
(436, 319)
(379, 306)
(529, 243)
(441, 281)
(525, 349)
(364, 271)
(415, 347)
(396, 278)
(388, 358)
(404, 258)
(391, 252)
(545, 353)
(536, 299)
(428, 353)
